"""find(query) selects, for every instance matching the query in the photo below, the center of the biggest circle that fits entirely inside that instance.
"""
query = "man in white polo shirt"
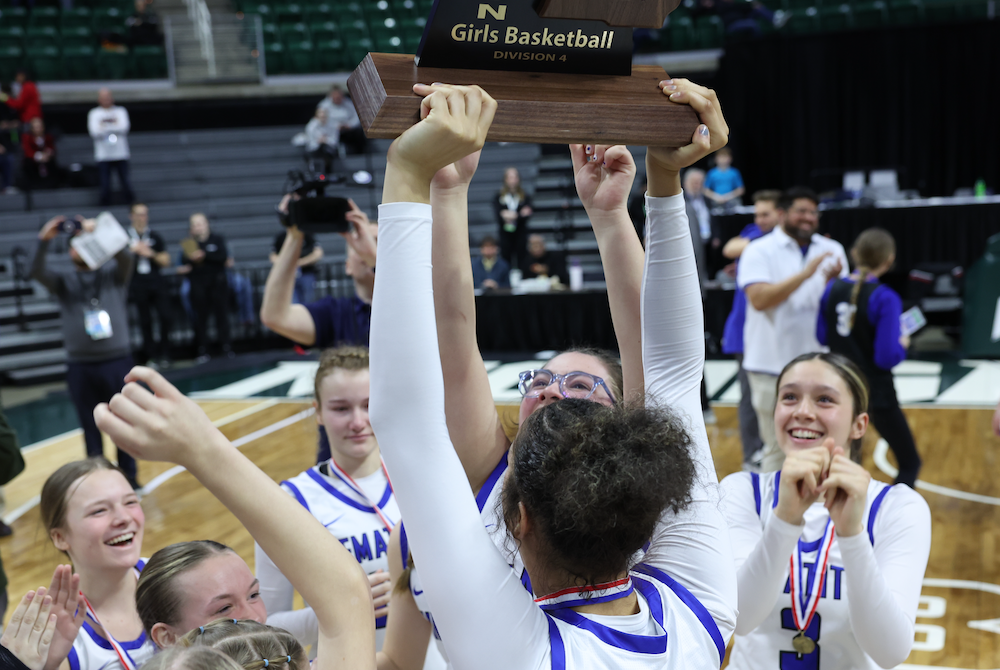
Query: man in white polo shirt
(783, 275)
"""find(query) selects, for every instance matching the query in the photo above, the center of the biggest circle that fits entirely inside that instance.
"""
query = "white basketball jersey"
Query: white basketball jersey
(350, 518)
(671, 630)
(769, 646)
(92, 652)
(488, 500)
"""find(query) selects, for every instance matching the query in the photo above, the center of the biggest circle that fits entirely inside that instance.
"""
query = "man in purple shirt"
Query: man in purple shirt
(765, 219)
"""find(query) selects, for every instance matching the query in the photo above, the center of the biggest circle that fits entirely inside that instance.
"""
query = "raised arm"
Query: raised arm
(442, 521)
(473, 423)
(170, 427)
(407, 632)
(39, 269)
(126, 264)
(276, 309)
(691, 546)
(604, 177)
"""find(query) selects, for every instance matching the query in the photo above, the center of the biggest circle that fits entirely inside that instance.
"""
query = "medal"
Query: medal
(803, 645)
(806, 588)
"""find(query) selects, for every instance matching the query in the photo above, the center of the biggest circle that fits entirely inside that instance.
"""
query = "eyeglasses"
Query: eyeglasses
(580, 385)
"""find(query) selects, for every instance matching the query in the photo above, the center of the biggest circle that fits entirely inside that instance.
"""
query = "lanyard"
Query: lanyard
(804, 603)
(94, 299)
(581, 595)
(347, 479)
(123, 656)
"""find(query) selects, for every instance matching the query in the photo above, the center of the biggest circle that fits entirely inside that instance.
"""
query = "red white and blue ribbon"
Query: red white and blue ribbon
(805, 587)
(123, 656)
(353, 485)
(586, 595)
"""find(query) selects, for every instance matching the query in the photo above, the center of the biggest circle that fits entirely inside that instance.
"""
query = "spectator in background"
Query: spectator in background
(148, 289)
(489, 271)
(329, 321)
(859, 319)
(513, 208)
(92, 305)
(322, 138)
(305, 273)
(241, 287)
(39, 165)
(341, 113)
(724, 183)
(784, 275)
(699, 219)
(540, 262)
(27, 103)
(9, 137)
(108, 125)
(144, 25)
(765, 209)
(205, 256)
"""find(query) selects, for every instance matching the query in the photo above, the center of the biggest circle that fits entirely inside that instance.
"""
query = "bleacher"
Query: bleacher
(59, 44)
(236, 177)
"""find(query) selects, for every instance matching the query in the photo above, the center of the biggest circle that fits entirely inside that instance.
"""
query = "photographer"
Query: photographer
(327, 321)
(92, 304)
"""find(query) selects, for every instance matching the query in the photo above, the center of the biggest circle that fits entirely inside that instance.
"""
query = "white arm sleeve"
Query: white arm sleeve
(761, 554)
(693, 546)
(883, 583)
(443, 525)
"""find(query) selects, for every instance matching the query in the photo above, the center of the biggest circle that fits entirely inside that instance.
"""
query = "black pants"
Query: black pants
(889, 420)
(514, 246)
(149, 294)
(210, 295)
(121, 167)
(91, 384)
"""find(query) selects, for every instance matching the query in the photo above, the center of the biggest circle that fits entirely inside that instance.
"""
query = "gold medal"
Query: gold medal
(802, 644)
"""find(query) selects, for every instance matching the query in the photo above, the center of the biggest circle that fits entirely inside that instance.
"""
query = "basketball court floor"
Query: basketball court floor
(265, 410)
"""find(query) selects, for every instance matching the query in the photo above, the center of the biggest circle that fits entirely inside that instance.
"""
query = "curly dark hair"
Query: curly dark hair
(596, 479)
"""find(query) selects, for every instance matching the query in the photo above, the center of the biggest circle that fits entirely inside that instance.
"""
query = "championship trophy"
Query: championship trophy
(560, 70)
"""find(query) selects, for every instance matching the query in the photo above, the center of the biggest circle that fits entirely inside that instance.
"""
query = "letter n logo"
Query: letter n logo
(499, 14)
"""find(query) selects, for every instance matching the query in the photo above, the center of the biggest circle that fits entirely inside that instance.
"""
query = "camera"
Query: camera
(314, 211)
(71, 226)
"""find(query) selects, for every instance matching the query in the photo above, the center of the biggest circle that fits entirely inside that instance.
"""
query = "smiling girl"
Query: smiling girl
(350, 494)
(829, 561)
(93, 516)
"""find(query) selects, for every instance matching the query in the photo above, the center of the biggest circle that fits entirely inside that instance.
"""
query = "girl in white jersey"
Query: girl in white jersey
(349, 494)
(93, 516)
(165, 425)
(587, 482)
(829, 561)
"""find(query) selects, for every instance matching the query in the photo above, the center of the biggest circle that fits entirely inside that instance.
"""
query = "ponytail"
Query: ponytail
(873, 248)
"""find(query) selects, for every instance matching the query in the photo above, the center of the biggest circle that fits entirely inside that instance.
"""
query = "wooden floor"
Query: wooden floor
(961, 596)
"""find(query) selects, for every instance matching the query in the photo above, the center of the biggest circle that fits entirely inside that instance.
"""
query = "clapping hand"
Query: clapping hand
(381, 591)
(29, 633)
(68, 610)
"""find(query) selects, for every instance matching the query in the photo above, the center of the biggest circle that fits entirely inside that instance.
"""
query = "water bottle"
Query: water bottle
(515, 279)
(575, 275)
(980, 188)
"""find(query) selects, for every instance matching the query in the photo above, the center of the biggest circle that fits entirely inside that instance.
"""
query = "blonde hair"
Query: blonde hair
(250, 644)
(191, 658)
(156, 598)
(339, 358)
(873, 248)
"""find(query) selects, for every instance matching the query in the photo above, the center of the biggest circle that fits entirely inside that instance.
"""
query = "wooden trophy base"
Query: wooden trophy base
(532, 107)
